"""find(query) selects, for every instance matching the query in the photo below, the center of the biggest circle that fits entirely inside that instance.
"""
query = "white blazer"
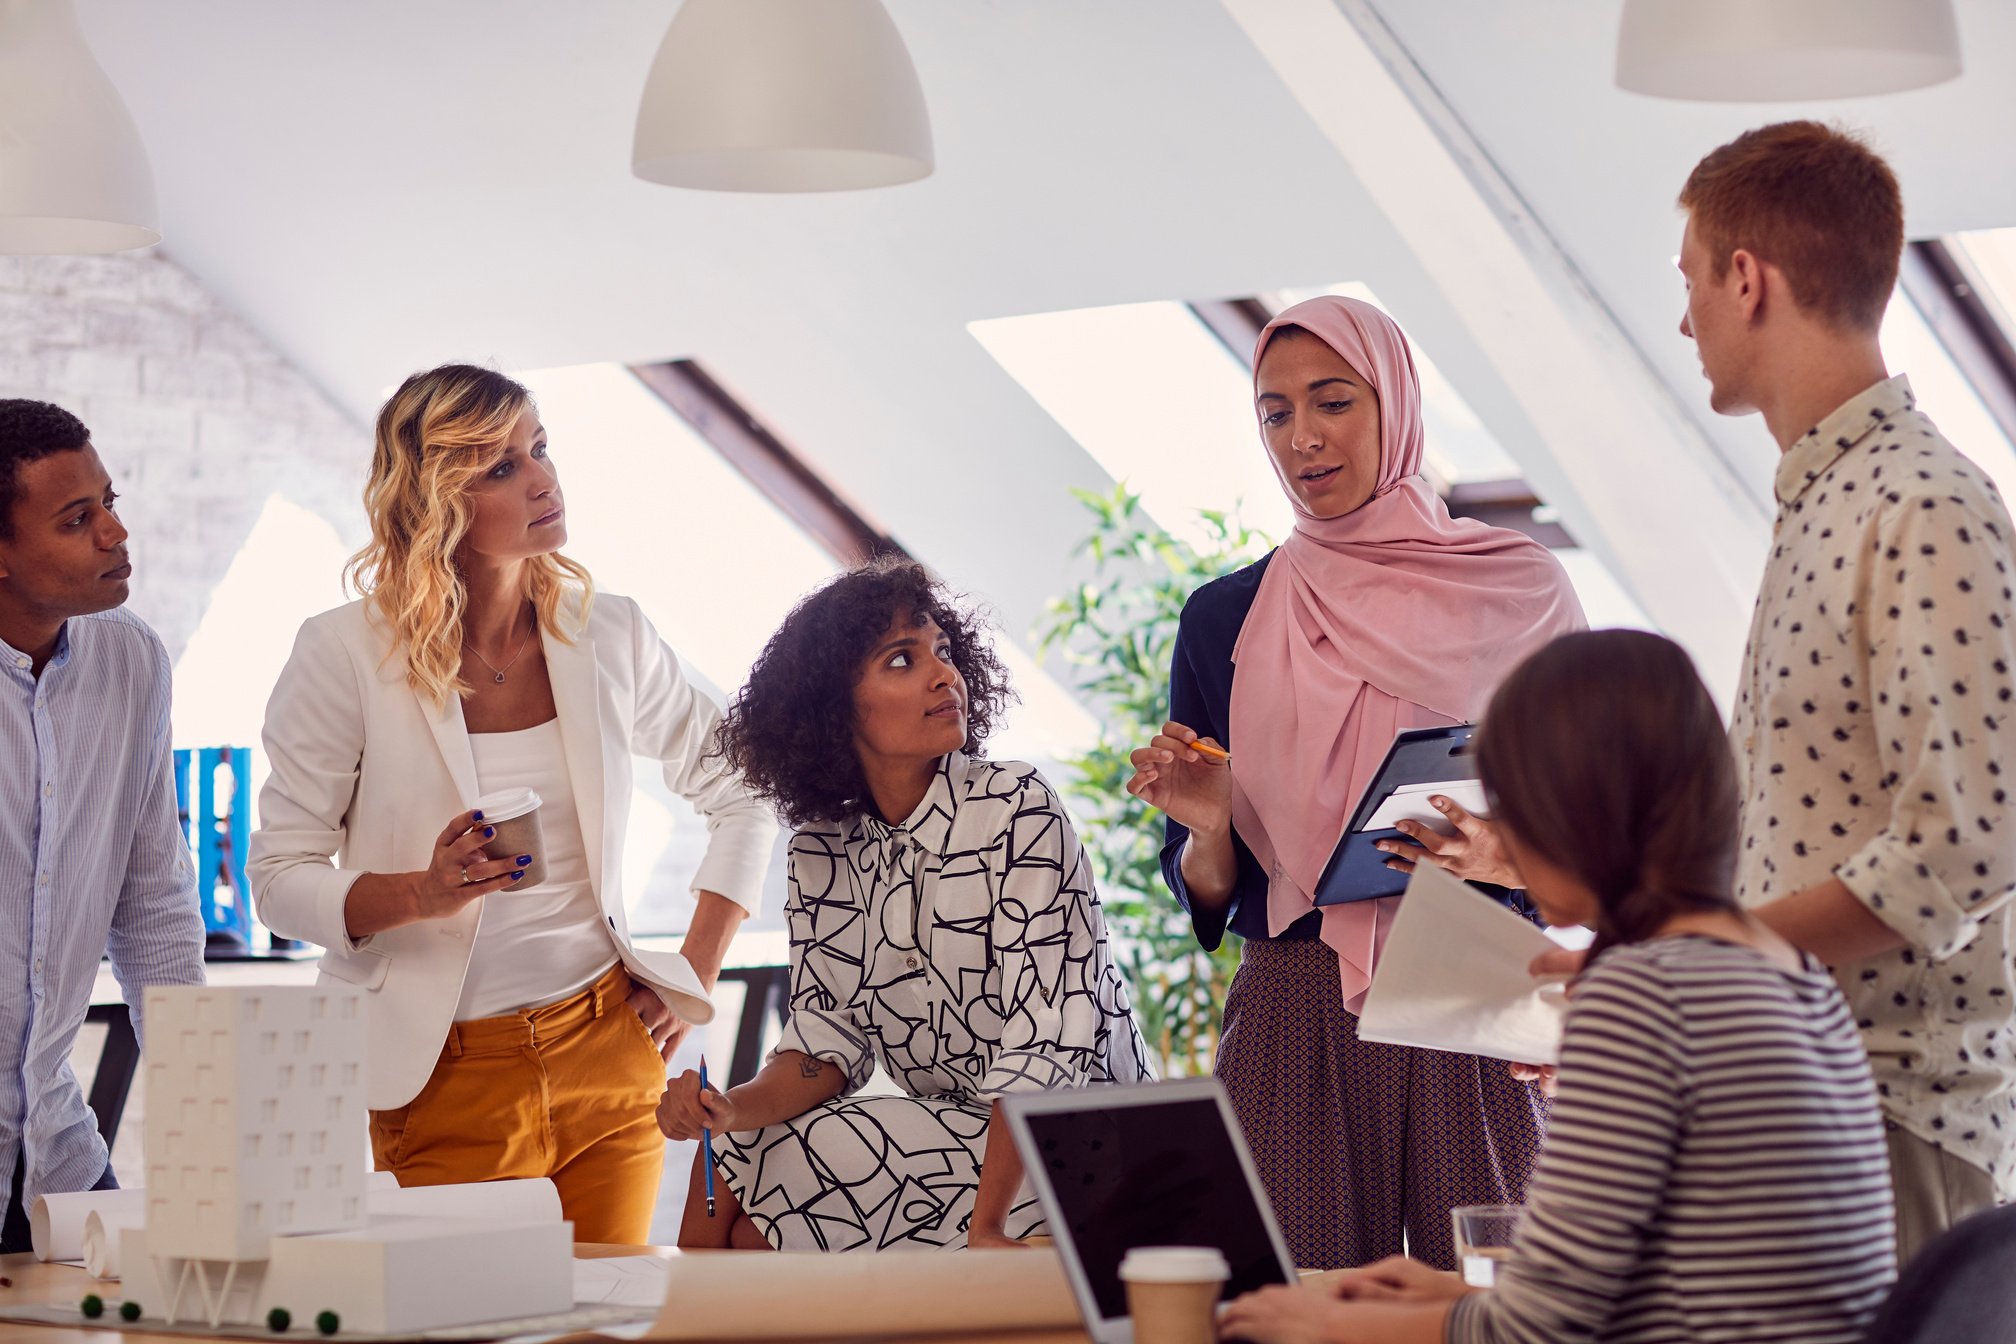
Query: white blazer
(366, 773)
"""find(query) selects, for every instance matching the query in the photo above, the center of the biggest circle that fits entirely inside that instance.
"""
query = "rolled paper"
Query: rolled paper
(56, 1222)
(799, 1295)
(103, 1229)
(536, 1200)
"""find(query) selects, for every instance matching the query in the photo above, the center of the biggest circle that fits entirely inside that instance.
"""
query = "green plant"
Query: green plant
(1118, 629)
(328, 1322)
(93, 1306)
(278, 1319)
(129, 1311)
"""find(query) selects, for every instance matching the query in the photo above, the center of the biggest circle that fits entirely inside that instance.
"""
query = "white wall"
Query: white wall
(199, 419)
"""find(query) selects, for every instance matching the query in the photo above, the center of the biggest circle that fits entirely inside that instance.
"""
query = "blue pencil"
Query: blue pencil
(707, 1143)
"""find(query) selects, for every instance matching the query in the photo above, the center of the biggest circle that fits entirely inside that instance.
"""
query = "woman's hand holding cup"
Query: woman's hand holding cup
(1191, 786)
(461, 870)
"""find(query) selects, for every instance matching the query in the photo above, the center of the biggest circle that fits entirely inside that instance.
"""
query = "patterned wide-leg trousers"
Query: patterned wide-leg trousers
(1364, 1148)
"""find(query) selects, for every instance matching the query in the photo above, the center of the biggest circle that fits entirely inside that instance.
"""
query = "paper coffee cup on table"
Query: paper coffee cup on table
(514, 815)
(1173, 1291)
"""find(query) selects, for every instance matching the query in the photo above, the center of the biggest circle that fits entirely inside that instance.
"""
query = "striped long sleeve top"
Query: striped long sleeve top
(1715, 1166)
(92, 863)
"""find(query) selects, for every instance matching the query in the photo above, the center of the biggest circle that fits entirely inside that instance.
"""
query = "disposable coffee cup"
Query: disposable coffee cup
(1173, 1292)
(514, 815)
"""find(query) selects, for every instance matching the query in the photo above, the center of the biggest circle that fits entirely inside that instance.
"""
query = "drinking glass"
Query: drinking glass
(1484, 1240)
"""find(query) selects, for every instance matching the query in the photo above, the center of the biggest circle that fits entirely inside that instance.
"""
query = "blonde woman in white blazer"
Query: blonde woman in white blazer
(513, 1031)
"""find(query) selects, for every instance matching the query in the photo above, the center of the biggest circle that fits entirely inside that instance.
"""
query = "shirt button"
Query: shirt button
(911, 962)
(48, 790)
(44, 877)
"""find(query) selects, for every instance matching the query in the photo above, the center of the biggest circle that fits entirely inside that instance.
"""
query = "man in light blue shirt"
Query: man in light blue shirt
(92, 858)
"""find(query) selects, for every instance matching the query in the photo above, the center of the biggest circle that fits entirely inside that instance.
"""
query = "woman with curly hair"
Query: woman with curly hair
(513, 1028)
(943, 925)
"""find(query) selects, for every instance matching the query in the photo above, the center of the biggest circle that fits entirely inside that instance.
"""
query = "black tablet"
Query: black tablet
(1420, 761)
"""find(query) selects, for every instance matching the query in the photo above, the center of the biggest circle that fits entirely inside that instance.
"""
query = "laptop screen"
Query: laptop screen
(1160, 1174)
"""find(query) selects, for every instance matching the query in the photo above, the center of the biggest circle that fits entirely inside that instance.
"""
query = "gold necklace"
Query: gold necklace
(500, 671)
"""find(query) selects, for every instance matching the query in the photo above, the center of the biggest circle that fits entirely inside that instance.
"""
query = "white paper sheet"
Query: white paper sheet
(1409, 802)
(622, 1281)
(1453, 977)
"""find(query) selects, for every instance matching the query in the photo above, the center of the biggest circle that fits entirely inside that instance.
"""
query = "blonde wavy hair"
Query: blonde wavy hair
(436, 438)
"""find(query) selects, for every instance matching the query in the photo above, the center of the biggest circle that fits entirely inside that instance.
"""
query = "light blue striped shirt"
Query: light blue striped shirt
(92, 861)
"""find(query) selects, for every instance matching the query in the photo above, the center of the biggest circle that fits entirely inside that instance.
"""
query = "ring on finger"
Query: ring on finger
(465, 874)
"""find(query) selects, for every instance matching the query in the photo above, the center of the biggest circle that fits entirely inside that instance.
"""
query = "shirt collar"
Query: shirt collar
(15, 659)
(929, 825)
(1819, 447)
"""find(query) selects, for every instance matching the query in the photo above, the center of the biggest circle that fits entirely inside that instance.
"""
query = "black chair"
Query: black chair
(1961, 1289)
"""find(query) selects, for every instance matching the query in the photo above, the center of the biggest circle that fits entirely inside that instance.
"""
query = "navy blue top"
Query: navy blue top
(1200, 697)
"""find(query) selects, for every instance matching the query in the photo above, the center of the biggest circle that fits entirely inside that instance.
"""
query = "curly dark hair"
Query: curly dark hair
(29, 431)
(790, 730)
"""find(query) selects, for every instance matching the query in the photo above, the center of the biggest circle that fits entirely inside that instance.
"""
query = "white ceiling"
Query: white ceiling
(382, 185)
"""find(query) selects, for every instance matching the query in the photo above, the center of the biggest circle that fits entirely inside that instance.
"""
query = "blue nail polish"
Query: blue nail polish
(517, 875)
(478, 816)
(524, 859)
(489, 832)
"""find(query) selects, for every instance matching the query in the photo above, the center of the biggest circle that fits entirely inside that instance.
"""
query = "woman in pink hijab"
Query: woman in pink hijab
(1380, 612)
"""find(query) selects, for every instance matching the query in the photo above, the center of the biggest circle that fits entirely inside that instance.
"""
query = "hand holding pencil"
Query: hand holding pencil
(1185, 775)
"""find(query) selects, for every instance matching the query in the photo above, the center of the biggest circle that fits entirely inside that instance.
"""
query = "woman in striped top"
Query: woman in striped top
(1715, 1166)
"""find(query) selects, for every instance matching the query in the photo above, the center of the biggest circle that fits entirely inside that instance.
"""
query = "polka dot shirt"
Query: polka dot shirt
(1876, 735)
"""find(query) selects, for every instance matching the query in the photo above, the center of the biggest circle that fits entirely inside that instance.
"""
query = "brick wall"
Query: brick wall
(198, 418)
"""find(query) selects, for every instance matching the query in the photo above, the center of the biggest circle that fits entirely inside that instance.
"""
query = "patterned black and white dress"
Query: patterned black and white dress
(965, 952)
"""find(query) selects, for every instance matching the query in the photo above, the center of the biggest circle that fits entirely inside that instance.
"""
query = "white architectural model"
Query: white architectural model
(256, 1182)
(255, 1115)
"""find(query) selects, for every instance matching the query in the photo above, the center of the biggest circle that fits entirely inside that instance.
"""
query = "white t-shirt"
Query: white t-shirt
(540, 944)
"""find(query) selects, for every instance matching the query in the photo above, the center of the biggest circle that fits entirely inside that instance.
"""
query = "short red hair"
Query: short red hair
(1814, 201)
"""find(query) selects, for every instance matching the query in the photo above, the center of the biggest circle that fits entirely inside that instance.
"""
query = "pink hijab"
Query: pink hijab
(1394, 616)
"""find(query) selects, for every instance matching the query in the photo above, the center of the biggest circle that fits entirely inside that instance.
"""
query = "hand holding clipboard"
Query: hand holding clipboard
(1474, 853)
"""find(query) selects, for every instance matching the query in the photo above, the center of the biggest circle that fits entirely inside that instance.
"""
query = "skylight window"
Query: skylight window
(1154, 397)
(1945, 393)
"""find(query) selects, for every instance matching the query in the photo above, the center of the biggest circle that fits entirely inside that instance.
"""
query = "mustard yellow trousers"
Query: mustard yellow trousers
(567, 1091)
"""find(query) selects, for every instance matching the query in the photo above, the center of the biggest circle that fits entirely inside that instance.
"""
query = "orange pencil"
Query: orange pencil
(1215, 753)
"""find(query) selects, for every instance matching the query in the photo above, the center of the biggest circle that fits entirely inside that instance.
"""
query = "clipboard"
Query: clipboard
(1421, 761)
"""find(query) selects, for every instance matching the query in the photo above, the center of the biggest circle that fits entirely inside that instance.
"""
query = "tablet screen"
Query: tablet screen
(1159, 1174)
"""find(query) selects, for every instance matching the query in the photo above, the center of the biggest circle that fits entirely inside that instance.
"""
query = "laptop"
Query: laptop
(1154, 1164)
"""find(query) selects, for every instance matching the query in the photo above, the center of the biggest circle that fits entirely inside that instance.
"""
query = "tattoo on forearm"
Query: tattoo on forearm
(811, 1067)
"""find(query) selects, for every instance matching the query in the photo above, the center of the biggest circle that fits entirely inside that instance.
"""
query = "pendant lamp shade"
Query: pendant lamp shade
(73, 173)
(1766, 51)
(782, 95)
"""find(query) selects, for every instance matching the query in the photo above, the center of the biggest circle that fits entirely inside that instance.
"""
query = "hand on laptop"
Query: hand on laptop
(1394, 1279)
(1474, 853)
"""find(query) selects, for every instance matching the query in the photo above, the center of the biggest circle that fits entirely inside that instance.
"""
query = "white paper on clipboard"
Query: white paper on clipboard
(1453, 977)
(1409, 802)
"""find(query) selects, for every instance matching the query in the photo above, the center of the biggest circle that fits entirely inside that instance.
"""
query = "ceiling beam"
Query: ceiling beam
(783, 476)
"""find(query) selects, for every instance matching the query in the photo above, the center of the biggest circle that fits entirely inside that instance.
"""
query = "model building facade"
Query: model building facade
(254, 1117)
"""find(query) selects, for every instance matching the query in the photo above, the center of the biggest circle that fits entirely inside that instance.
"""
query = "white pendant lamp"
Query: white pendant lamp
(73, 173)
(1766, 51)
(782, 95)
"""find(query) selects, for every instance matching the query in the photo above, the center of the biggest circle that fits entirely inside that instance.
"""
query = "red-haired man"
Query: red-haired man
(1875, 722)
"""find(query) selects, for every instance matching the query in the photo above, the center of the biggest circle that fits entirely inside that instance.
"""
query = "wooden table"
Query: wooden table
(37, 1283)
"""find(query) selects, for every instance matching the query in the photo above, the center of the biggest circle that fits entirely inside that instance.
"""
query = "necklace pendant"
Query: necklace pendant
(500, 678)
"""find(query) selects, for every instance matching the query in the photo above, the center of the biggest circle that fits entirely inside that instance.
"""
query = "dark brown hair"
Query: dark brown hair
(790, 730)
(30, 431)
(1605, 755)
(1814, 201)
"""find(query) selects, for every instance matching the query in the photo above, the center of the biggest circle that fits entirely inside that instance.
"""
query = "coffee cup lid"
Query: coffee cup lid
(1175, 1264)
(505, 804)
